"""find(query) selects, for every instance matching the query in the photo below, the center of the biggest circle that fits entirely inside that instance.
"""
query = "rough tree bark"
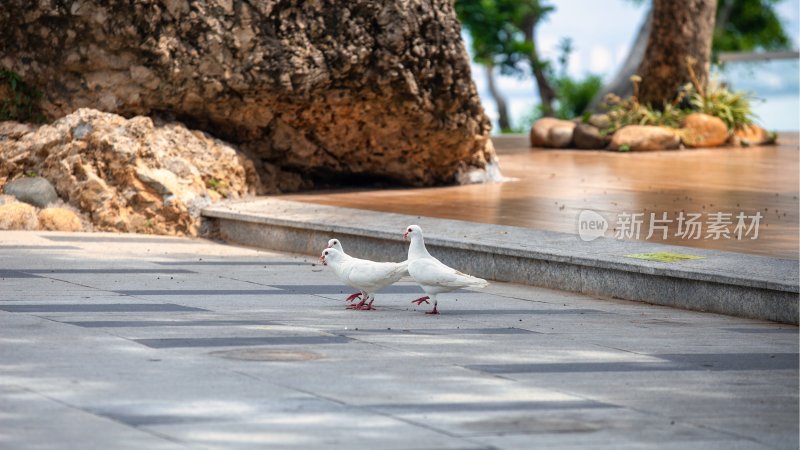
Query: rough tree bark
(680, 30)
(377, 88)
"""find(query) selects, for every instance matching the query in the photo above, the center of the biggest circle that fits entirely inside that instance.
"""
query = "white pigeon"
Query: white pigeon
(334, 243)
(431, 274)
(367, 276)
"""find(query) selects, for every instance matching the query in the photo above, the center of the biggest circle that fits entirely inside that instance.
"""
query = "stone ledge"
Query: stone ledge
(723, 282)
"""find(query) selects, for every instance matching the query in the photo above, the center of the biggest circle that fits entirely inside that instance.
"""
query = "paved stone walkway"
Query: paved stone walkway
(123, 341)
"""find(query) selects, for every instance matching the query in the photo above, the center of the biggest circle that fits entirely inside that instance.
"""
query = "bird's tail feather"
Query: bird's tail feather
(470, 281)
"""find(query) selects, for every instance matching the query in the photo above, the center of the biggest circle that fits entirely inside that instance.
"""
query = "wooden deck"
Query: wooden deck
(553, 186)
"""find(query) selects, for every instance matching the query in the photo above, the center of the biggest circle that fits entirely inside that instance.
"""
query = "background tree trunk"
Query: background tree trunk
(680, 30)
(546, 92)
(621, 83)
(499, 100)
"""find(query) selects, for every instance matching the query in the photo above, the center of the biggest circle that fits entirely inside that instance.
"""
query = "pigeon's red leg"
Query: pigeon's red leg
(435, 304)
(368, 306)
(353, 297)
(358, 305)
(420, 300)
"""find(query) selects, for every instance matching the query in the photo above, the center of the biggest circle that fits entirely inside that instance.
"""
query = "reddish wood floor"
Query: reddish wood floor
(553, 186)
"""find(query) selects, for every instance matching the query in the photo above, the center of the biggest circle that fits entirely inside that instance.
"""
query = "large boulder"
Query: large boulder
(36, 191)
(703, 131)
(316, 88)
(644, 137)
(132, 175)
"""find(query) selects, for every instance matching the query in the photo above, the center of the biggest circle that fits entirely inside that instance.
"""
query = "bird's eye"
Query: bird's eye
(326, 253)
(409, 230)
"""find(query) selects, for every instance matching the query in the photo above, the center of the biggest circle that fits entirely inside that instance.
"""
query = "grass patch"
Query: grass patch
(666, 257)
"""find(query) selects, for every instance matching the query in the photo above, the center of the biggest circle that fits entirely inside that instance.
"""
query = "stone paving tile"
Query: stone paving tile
(165, 323)
(43, 248)
(232, 263)
(121, 239)
(103, 307)
(276, 361)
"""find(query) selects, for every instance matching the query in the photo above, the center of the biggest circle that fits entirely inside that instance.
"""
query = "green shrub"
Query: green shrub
(18, 101)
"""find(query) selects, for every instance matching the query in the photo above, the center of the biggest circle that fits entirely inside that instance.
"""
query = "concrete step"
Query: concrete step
(736, 284)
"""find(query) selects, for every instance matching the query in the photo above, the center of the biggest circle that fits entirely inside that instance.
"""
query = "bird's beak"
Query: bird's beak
(329, 246)
(405, 235)
(322, 260)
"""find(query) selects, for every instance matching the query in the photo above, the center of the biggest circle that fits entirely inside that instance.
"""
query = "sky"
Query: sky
(602, 32)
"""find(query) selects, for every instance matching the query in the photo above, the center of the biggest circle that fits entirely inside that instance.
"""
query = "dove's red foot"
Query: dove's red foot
(433, 311)
(420, 300)
(353, 297)
(358, 305)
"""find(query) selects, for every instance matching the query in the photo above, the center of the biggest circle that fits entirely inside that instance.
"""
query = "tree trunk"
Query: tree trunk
(680, 30)
(546, 92)
(499, 100)
(621, 83)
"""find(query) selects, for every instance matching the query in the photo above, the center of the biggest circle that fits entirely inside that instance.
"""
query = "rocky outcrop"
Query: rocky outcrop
(553, 133)
(315, 88)
(701, 130)
(132, 175)
(644, 137)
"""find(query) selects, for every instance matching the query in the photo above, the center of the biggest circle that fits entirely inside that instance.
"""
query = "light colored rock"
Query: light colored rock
(702, 130)
(36, 191)
(18, 216)
(550, 132)
(588, 137)
(753, 135)
(644, 137)
(59, 219)
(381, 88)
(131, 174)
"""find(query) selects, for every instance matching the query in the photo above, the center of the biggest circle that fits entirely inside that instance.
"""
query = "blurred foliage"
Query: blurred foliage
(573, 95)
(748, 25)
(732, 107)
(18, 101)
(499, 31)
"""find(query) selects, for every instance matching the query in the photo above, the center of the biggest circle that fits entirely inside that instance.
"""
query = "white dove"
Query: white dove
(367, 276)
(431, 274)
(334, 243)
